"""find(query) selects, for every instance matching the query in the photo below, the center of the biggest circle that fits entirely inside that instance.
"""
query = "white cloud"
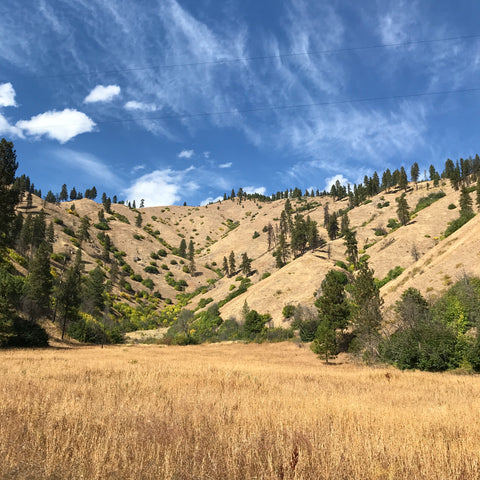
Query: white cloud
(140, 106)
(332, 180)
(252, 190)
(137, 168)
(7, 129)
(211, 200)
(206, 155)
(102, 94)
(162, 187)
(225, 165)
(7, 95)
(89, 164)
(61, 126)
(186, 154)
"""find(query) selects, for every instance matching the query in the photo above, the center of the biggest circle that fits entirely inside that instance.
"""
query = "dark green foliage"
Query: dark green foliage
(307, 329)
(332, 227)
(425, 202)
(456, 224)
(39, 283)
(93, 298)
(288, 311)
(332, 304)
(366, 312)
(391, 275)
(204, 302)
(148, 283)
(351, 246)
(465, 203)
(231, 264)
(27, 334)
(393, 224)
(452, 206)
(254, 324)
(403, 211)
(151, 269)
(246, 265)
(325, 341)
(255, 235)
(11, 287)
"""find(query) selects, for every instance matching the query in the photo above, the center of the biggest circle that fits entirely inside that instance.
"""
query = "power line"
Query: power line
(261, 108)
(261, 57)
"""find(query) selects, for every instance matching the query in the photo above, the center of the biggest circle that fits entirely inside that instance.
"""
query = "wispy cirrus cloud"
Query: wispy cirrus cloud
(61, 126)
(89, 164)
(140, 106)
(225, 165)
(102, 93)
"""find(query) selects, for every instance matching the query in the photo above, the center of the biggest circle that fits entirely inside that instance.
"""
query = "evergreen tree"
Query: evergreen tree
(83, 233)
(73, 194)
(345, 223)
(50, 197)
(138, 220)
(332, 227)
(325, 342)
(225, 268)
(386, 180)
(63, 193)
(351, 246)
(93, 298)
(26, 234)
(332, 303)
(9, 196)
(67, 293)
(366, 314)
(39, 228)
(403, 211)
(39, 283)
(478, 193)
(182, 249)
(466, 203)
(326, 216)
(50, 235)
(29, 201)
(246, 265)
(231, 263)
(403, 179)
(313, 238)
(281, 252)
(299, 235)
(191, 257)
(270, 236)
(93, 193)
(414, 173)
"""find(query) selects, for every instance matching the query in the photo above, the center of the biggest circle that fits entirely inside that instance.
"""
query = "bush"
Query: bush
(452, 206)
(151, 269)
(69, 231)
(101, 226)
(27, 334)
(204, 301)
(393, 223)
(380, 232)
(136, 277)
(458, 223)
(288, 311)
(255, 235)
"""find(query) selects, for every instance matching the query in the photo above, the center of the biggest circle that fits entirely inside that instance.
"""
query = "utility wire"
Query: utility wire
(262, 108)
(260, 57)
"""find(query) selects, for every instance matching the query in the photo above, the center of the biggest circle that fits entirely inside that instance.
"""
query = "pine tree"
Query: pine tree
(344, 226)
(83, 233)
(182, 249)
(325, 342)
(478, 193)
(415, 172)
(270, 236)
(403, 211)
(403, 179)
(191, 257)
(29, 203)
(332, 303)
(9, 197)
(67, 293)
(466, 210)
(246, 265)
(73, 194)
(351, 246)
(231, 263)
(39, 283)
(225, 269)
(332, 227)
(50, 197)
(63, 193)
(39, 228)
(366, 315)
(93, 299)
(326, 216)
(313, 238)
(138, 220)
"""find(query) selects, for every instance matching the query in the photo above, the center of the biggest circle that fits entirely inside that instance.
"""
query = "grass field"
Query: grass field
(230, 412)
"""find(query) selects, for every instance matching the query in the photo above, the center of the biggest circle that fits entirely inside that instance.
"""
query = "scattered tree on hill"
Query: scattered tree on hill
(332, 227)
(345, 223)
(182, 249)
(73, 194)
(138, 220)
(63, 193)
(231, 262)
(466, 203)
(478, 193)
(326, 216)
(414, 173)
(191, 257)
(403, 211)
(403, 179)
(246, 265)
(225, 269)
(270, 236)
(351, 246)
(83, 233)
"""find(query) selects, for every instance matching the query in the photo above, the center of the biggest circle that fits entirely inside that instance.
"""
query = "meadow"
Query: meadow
(230, 411)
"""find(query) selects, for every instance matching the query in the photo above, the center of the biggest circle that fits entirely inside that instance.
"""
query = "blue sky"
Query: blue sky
(183, 100)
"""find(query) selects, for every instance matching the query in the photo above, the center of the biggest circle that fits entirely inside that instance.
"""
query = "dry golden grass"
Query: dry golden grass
(230, 412)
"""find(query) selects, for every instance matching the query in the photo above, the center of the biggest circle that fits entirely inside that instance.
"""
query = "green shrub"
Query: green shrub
(69, 231)
(255, 235)
(288, 311)
(458, 223)
(452, 206)
(151, 269)
(136, 277)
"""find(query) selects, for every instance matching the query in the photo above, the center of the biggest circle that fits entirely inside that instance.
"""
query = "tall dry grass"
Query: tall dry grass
(230, 412)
